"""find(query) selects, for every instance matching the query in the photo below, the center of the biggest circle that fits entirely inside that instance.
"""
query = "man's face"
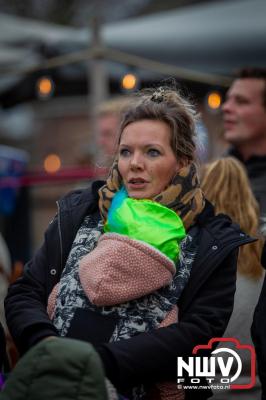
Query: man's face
(244, 113)
(108, 129)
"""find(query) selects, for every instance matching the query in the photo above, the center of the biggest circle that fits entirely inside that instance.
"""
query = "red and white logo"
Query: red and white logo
(223, 368)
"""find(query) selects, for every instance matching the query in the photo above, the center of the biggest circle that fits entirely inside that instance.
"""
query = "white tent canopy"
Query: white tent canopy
(216, 37)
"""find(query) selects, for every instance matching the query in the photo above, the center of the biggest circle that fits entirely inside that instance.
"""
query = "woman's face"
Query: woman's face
(146, 160)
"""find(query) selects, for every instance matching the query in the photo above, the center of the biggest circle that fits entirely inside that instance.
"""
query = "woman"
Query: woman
(226, 185)
(156, 162)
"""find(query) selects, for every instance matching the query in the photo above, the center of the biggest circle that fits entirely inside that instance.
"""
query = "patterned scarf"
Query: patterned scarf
(183, 195)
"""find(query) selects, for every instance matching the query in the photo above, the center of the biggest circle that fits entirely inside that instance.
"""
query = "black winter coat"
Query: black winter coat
(205, 305)
(58, 369)
(258, 330)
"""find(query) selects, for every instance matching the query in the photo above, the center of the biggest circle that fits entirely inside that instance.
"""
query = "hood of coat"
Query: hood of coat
(66, 364)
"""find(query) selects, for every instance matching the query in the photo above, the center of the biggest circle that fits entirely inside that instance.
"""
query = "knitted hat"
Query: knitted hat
(121, 269)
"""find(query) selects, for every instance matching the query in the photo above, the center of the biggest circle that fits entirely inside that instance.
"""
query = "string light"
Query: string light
(129, 82)
(214, 100)
(45, 87)
(52, 163)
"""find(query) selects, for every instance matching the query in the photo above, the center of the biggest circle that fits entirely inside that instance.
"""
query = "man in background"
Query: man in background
(108, 121)
(244, 115)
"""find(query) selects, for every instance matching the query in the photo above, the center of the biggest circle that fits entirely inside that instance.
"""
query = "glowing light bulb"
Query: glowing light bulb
(52, 163)
(45, 87)
(214, 100)
(129, 81)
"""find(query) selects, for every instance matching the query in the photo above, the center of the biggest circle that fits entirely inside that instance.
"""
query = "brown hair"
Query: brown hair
(226, 185)
(254, 73)
(167, 105)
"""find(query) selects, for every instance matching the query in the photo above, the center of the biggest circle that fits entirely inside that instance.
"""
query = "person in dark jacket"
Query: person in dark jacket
(244, 114)
(225, 184)
(58, 369)
(155, 161)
